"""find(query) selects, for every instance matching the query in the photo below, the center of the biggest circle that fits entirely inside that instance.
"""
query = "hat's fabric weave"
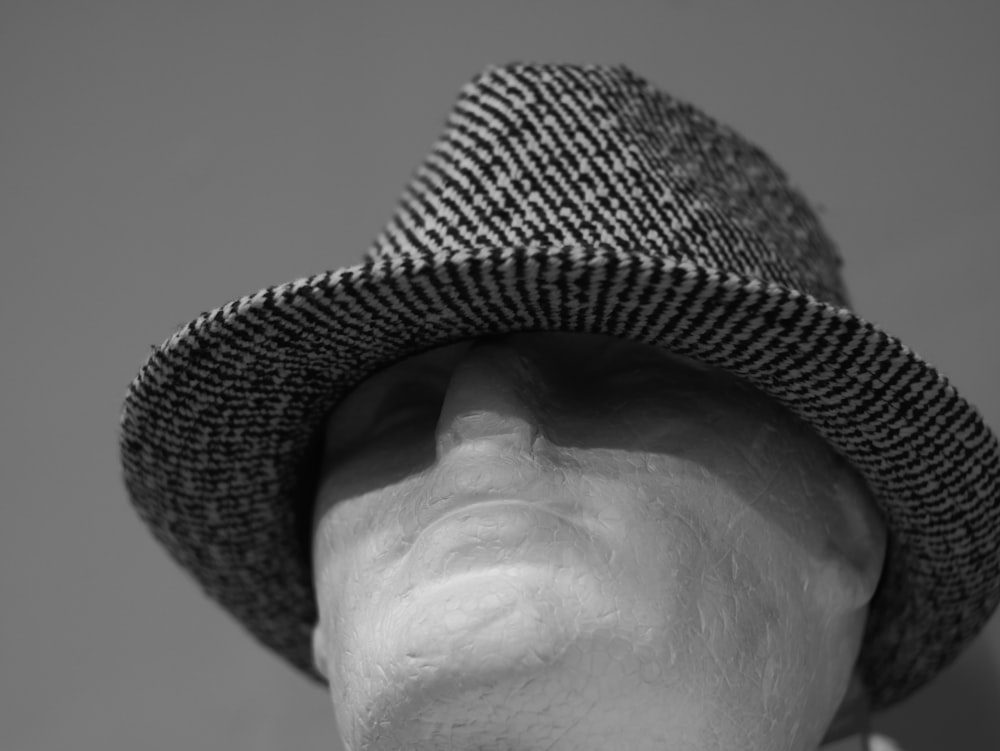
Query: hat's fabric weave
(578, 199)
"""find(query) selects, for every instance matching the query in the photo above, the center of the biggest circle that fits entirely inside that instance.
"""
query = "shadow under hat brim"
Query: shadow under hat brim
(220, 427)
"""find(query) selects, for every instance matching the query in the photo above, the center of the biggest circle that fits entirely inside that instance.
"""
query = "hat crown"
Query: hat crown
(543, 156)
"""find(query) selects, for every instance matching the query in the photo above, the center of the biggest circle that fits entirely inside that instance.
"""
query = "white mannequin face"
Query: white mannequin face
(562, 541)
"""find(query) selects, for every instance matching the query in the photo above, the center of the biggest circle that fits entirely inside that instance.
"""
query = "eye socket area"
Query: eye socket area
(402, 395)
(408, 401)
(575, 368)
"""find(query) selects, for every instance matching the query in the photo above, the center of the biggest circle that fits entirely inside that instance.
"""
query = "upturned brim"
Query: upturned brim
(219, 429)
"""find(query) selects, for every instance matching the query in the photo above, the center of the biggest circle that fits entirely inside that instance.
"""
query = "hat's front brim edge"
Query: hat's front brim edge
(216, 425)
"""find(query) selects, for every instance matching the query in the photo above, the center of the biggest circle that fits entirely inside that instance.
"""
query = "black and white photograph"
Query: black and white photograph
(462, 376)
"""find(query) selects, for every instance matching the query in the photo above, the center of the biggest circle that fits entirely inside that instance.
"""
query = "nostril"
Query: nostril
(482, 430)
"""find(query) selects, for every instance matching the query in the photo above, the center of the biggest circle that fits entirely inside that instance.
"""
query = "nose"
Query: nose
(493, 399)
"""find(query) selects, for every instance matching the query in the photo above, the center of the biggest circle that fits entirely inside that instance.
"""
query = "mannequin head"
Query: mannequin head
(571, 542)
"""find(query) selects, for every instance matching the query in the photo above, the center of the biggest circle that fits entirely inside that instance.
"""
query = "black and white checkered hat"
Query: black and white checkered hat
(576, 199)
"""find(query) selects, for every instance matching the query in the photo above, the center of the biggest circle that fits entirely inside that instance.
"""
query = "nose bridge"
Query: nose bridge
(489, 400)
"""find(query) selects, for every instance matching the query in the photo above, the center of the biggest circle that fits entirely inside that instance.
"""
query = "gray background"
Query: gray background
(159, 159)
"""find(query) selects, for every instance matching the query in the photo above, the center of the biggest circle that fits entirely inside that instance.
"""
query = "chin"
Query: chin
(591, 693)
(477, 638)
(505, 658)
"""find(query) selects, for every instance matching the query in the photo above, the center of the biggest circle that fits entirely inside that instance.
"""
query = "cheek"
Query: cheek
(356, 529)
(360, 489)
(701, 565)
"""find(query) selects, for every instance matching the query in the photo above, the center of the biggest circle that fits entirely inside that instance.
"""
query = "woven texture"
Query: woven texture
(577, 199)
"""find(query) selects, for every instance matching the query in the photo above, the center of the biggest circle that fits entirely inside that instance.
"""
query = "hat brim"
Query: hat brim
(219, 428)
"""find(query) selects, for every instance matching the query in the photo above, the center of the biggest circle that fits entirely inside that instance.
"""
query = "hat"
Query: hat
(573, 199)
